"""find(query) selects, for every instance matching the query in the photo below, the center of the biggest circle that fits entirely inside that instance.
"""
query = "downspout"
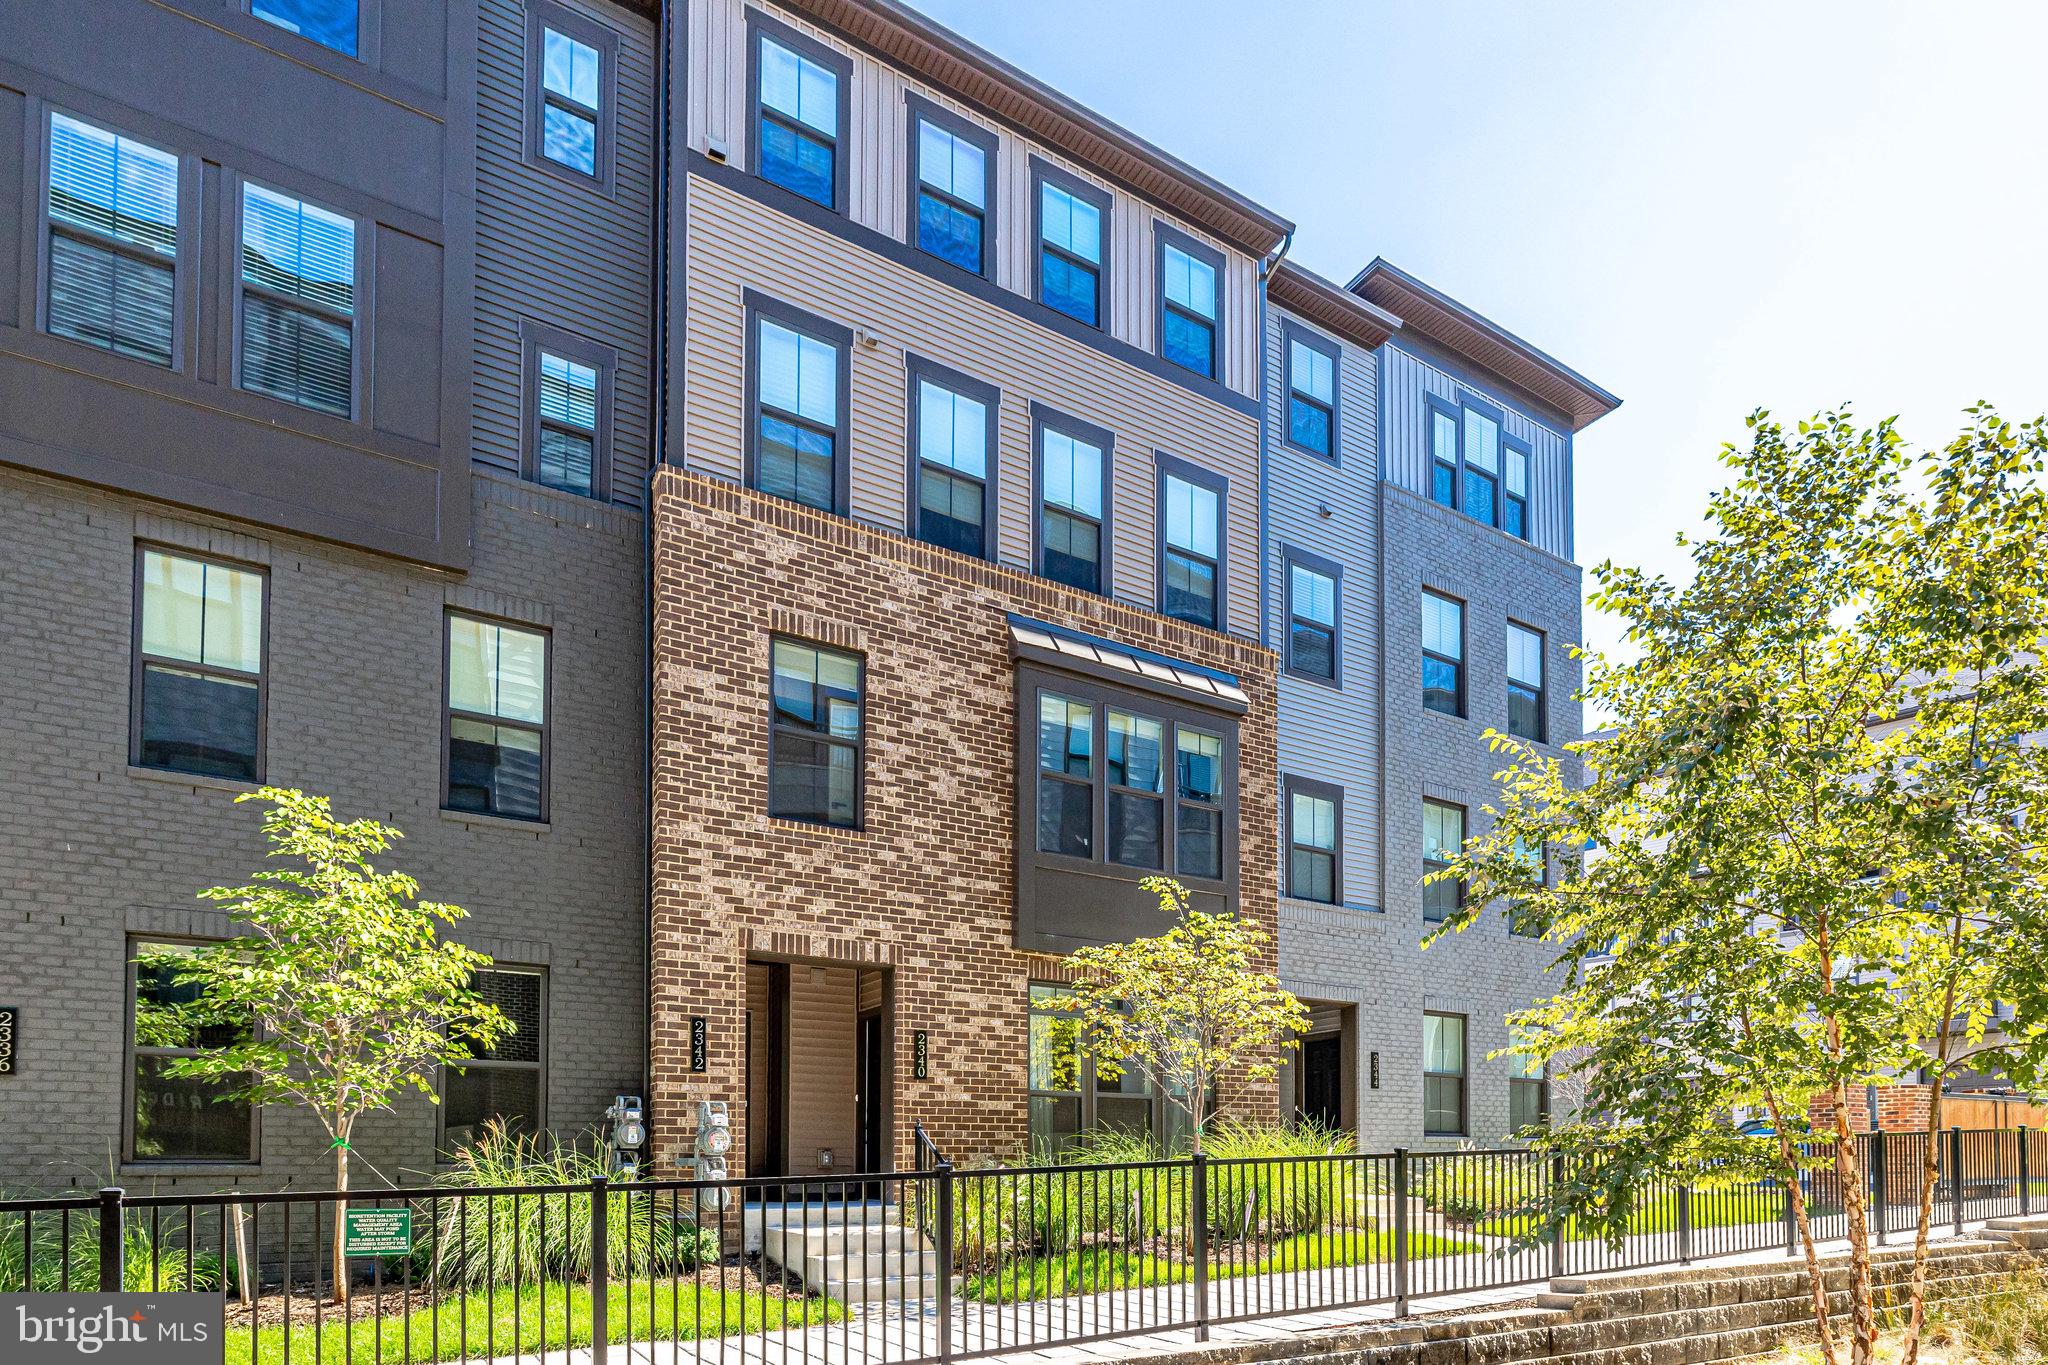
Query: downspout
(658, 456)
(1266, 269)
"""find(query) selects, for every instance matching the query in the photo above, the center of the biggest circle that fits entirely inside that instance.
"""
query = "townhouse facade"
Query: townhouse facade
(792, 517)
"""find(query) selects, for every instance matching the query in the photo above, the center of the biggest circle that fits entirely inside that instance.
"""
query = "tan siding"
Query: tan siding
(734, 244)
(878, 179)
(759, 1072)
(822, 1045)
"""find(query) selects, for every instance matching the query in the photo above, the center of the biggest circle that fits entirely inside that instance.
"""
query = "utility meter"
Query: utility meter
(628, 1125)
(714, 1142)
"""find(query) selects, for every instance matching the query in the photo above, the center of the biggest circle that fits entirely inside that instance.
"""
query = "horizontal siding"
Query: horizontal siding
(1409, 378)
(735, 244)
(823, 1041)
(1332, 734)
(554, 251)
(878, 179)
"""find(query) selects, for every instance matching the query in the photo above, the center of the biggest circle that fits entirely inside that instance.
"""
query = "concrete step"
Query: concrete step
(859, 1289)
(841, 1266)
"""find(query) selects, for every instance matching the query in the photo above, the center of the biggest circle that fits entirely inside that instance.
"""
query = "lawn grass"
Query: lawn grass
(1092, 1270)
(1710, 1209)
(474, 1327)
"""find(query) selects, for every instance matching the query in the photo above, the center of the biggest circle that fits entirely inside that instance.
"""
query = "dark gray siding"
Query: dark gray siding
(551, 250)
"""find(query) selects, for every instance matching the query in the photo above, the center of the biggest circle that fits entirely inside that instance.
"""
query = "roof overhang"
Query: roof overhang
(1486, 344)
(1329, 305)
(1124, 665)
(935, 53)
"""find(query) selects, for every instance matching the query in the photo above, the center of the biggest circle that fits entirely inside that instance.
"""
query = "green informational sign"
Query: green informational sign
(376, 1232)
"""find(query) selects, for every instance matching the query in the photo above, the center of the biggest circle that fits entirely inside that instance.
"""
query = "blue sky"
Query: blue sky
(1705, 208)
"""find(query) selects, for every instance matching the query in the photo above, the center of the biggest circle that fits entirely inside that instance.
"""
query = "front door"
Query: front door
(871, 1088)
(1322, 1081)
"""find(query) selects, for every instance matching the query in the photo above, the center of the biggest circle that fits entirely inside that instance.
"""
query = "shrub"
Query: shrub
(1469, 1189)
(50, 1263)
(1267, 1180)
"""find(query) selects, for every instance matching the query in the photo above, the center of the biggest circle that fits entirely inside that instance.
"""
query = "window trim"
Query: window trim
(758, 306)
(1464, 651)
(1528, 495)
(1290, 557)
(547, 711)
(1435, 404)
(1044, 173)
(540, 1066)
(535, 337)
(1043, 419)
(138, 661)
(917, 369)
(184, 282)
(1464, 1075)
(760, 26)
(369, 47)
(132, 944)
(859, 746)
(1163, 235)
(1542, 688)
(1324, 791)
(546, 14)
(1464, 837)
(1165, 466)
(918, 109)
(360, 302)
(1087, 1098)
(1290, 333)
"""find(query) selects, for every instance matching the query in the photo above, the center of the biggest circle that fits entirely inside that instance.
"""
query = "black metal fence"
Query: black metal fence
(934, 1263)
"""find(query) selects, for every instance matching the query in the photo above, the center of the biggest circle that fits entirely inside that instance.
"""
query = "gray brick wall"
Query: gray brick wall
(92, 852)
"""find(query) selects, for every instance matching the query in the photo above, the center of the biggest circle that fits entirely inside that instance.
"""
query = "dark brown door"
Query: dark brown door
(1322, 1081)
(869, 1097)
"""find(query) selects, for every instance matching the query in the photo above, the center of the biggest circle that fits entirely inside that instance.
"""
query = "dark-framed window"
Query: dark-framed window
(1071, 223)
(496, 719)
(1443, 1075)
(1134, 748)
(1443, 452)
(568, 417)
(1443, 835)
(178, 1119)
(801, 108)
(818, 716)
(506, 1082)
(1475, 466)
(952, 186)
(1311, 377)
(1534, 854)
(1514, 507)
(1481, 475)
(1443, 653)
(199, 686)
(335, 24)
(1315, 840)
(1199, 794)
(797, 380)
(1528, 1094)
(1190, 283)
(298, 301)
(1071, 1094)
(1192, 501)
(112, 223)
(572, 65)
(1072, 462)
(1527, 708)
(952, 459)
(1314, 602)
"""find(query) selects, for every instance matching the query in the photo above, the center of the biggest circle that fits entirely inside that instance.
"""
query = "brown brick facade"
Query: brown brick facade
(925, 889)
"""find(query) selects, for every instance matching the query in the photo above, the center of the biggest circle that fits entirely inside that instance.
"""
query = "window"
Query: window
(298, 302)
(1072, 217)
(1536, 858)
(1443, 455)
(952, 195)
(198, 679)
(1073, 521)
(1311, 616)
(1443, 1075)
(1072, 1092)
(1514, 509)
(953, 436)
(568, 443)
(801, 97)
(1528, 1093)
(1475, 466)
(571, 64)
(1066, 776)
(497, 719)
(1482, 466)
(1199, 819)
(1311, 393)
(1134, 749)
(1526, 710)
(1190, 535)
(1190, 301)
(1443, 653)
(113, 221)
(814, 763)
(798, 382)
(179, 1118)
(505, 1082)
(1315, 820)
(330, 23)
(1443, 836)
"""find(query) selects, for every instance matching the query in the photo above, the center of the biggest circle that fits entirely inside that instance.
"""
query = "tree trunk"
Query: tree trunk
(1855, 1207)
(1930, 1171)
(1797, 1193)
(340, 1265)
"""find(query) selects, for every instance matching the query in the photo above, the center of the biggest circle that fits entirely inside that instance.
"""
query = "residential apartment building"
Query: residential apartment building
(793, 518)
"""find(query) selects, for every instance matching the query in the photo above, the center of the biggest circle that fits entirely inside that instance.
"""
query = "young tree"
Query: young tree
(1815, 817)
(338, 994)
(1187, 1007)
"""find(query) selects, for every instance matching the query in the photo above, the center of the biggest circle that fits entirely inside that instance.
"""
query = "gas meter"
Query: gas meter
(628, 1133)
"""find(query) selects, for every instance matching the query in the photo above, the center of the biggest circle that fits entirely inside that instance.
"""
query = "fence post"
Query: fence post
(1955, 1179)
(1880, 1176)
(1198, 1215)
(600, 1267)
(110, 1239)
(944, 1172)
(2026, 1185)
(1685, 1224)
(1556, 1222)
(1400, 1232)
